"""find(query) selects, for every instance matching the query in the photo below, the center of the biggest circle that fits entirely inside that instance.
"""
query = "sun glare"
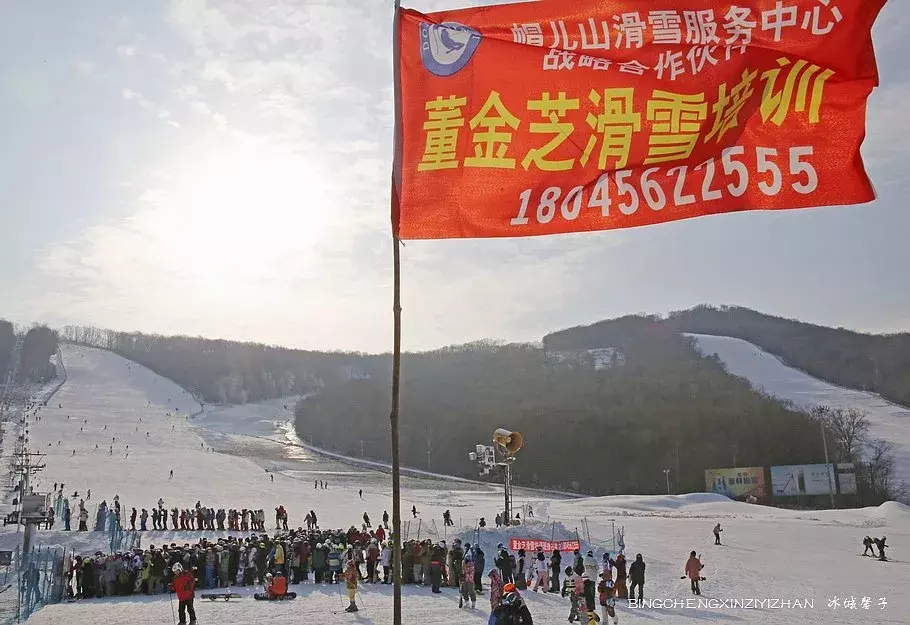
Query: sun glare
(238, 216)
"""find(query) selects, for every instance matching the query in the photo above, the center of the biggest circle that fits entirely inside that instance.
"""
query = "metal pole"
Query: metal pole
(827, 465)
(396, 309)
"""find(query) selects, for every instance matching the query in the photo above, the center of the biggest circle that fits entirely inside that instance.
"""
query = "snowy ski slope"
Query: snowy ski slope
(224, 456)
(767, 373)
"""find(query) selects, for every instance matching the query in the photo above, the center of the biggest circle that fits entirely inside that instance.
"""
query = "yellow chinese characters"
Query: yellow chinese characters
(615, 122)
(776, 103)
(676, 125)
(728, 107)
(492, 143)
(552, 110)
(443, 123)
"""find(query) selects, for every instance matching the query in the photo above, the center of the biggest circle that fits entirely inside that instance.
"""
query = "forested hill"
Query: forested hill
(219, 371)
(601, 421)
(872, 362)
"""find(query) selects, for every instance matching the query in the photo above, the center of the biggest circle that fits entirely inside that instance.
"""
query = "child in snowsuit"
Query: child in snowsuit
(568, 589)
(351, 574)
(468, 593)
(608, 601)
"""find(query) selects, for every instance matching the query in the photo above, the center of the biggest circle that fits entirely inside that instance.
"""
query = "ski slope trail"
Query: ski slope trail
(229, 457)
(767, 373)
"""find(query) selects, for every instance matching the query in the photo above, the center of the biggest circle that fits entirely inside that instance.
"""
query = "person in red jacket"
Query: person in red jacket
(693, 572)
(185, 586)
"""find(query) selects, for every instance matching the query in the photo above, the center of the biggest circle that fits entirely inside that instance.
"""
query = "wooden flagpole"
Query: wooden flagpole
(396, 310)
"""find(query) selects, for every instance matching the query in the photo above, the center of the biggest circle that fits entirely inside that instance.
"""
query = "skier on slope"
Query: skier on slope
(868, 549)
(366, 520)
(880, 544)
(717, 532)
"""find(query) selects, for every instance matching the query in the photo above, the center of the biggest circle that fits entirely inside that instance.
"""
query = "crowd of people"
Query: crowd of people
(198, 518)
(353, 557)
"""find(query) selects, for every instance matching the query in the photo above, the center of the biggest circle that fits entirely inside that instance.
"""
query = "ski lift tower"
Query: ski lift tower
(32, 507)
(500, 454)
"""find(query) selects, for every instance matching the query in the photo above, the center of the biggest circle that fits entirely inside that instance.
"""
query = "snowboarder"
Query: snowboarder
(184, 585)
(717, 532)
(693, 572)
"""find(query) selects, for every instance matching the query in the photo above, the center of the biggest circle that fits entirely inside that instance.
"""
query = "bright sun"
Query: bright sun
(235, 217)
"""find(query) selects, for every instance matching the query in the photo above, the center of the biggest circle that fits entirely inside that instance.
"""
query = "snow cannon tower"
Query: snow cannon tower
(500, 456)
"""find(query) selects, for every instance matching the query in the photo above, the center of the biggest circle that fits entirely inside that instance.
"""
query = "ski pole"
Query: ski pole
(170, 596)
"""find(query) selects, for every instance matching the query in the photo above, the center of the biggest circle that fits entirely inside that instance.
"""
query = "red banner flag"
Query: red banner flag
(551, 116)
(529, 544)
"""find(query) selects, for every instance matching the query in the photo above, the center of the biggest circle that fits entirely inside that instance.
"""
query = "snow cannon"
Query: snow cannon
(509, 441)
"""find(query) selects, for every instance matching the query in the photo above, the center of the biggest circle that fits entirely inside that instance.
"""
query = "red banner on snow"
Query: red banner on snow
(529, 544)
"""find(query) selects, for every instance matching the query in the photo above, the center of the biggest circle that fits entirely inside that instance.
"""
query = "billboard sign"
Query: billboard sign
(846, 478)
(737, 483)
(531, 544)
(33, 507)
(802, 479)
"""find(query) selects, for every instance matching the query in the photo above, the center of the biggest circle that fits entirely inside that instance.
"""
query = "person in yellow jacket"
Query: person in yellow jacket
(351, 576)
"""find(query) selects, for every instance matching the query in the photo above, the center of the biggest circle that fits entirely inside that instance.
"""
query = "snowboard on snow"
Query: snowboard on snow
(264, 597)
(226, 596)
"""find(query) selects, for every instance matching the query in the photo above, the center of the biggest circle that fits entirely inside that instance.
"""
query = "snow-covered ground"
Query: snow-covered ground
(226, 457)
(766, 372)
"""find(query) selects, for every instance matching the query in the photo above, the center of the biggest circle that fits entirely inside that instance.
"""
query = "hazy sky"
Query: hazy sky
(221, 168)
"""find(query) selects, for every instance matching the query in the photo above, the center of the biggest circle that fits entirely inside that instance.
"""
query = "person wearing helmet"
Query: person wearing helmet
(185, 586)
(512, 611)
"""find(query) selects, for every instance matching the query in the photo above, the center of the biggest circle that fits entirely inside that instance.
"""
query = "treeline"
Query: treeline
(220, 371)
(7, 343)
(38, 346)
(594, 430)
(872, 362)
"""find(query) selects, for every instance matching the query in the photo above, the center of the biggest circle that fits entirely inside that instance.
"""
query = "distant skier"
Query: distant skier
(880, 544)
(868, 550)
(273, 477)
(360, 492)
(366, 520)
(414, 511)
(385, 519)
(717, 532)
